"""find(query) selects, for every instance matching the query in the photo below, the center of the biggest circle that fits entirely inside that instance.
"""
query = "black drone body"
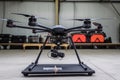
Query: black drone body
(59, 30)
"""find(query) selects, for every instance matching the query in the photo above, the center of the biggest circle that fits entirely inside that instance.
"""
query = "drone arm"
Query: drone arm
(38, 31)
(42, 26)
(26, 27)
(17, 26)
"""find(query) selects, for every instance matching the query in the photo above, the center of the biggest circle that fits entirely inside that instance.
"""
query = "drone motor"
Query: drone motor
(32, 21)
(9, 23)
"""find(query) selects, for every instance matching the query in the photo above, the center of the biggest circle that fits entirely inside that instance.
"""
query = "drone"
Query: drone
(58, 34)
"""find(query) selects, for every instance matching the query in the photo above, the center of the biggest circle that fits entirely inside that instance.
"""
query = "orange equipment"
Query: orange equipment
(97, 38)
(79, 38)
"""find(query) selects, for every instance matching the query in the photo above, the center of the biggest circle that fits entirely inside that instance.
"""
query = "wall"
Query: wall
(68, 11)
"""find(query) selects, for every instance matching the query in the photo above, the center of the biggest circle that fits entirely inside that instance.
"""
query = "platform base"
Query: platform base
(58, 70)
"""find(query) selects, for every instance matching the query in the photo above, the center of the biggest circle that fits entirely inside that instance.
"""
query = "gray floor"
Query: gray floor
(106, 63)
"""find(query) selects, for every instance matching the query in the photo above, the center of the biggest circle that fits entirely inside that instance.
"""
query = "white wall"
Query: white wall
(66, 13)
(69, 10)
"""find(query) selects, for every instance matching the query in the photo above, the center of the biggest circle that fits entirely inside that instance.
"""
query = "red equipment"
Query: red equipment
(97, 38)
(79, 38)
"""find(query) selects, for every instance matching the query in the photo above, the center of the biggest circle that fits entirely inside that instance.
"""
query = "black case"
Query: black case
(18, 39)
(33, 39)
(5, 38)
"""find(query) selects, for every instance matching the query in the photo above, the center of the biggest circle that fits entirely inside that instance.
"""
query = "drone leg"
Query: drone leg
(41, 50)
(36, 61)
(75, 50)
(81, 63)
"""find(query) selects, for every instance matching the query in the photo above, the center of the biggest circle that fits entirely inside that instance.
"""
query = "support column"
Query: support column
(57, 12)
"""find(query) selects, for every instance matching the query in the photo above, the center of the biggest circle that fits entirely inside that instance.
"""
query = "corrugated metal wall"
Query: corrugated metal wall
(68, 11)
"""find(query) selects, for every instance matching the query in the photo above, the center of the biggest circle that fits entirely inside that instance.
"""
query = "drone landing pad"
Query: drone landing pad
(58, 70)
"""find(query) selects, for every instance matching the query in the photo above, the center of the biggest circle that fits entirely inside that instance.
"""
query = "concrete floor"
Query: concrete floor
(106, 63)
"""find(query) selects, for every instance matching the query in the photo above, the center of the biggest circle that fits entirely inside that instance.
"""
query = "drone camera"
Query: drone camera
(56, 54)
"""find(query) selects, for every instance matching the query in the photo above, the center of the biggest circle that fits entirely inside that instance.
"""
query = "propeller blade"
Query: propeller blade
(95, 23)
(98, 25)
(87, 19)
(26, 15)
(3, 19)
(10, 20)
(93, 19)
(78, 19)
(15, 21)
(43, 18)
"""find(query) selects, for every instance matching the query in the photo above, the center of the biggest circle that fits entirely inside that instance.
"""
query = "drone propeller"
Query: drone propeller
(99, 26)
(27, 15)
(9, 20)
(93, 19)
(96, 24)
(82, 19)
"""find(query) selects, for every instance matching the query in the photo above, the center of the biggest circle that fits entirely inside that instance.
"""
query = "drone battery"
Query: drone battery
(5, 38)
(79, 38)
(97, 38)
(33, 39)
(18, 39)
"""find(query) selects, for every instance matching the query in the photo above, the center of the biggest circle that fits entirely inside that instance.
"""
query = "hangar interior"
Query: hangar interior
(17, 52)
(69, 9)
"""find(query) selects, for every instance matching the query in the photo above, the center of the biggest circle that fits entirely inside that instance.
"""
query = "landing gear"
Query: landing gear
(58, 69)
